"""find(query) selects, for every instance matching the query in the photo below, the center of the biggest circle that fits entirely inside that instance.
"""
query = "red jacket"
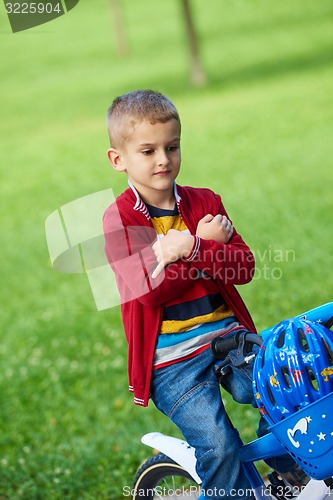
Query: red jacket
(129, 234)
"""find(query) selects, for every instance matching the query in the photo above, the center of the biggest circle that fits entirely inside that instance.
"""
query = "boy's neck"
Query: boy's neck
(160, 199)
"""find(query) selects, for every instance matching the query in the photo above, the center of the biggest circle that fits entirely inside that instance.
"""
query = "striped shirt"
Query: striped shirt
(191, 321)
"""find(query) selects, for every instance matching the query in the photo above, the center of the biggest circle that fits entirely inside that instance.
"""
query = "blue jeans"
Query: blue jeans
(189, 394)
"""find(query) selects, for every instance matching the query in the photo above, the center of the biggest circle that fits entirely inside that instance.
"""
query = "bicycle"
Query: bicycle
(171, 473)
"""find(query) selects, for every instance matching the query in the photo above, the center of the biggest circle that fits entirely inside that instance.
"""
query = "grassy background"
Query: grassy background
(259, 133)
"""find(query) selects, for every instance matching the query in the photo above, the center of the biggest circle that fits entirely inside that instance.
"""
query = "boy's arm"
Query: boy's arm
(218, 228)
(129, 250)
(218, 250)
(227, 258)
(176, 245)
(172, 247)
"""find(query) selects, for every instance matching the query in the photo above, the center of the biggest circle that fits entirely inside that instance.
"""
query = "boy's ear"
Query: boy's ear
(116, 160)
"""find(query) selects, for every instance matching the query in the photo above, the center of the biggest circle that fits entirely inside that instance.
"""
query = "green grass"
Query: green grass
(259, 133)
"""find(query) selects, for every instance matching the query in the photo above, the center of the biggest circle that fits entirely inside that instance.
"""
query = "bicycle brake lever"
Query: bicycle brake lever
(238, 356)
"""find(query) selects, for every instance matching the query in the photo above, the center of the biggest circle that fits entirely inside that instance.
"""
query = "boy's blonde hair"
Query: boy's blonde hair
(132, 108)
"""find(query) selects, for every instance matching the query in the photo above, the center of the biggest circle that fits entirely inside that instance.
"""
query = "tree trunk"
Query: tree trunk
(197, 75)
(119, 27)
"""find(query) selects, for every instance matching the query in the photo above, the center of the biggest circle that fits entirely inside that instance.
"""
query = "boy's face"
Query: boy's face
(151, 158)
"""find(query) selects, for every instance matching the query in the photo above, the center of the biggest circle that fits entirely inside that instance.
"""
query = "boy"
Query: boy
(177, 259)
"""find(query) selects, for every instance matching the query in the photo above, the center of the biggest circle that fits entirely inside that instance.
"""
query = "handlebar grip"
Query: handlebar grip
(221, 345)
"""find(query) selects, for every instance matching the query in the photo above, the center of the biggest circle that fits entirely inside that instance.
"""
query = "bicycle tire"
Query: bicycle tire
(161, 477)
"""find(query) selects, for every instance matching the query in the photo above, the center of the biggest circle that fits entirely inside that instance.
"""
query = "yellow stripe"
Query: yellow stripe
(163, 224)
(176, 326)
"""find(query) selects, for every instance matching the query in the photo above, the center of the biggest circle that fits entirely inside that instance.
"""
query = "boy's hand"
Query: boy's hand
(173, 246)
(216, 228)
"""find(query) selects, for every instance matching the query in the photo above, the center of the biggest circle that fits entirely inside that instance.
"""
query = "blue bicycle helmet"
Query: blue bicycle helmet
(293, 368)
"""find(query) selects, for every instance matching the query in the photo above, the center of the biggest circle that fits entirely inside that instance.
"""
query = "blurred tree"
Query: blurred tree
(197, 74)
(119, 27)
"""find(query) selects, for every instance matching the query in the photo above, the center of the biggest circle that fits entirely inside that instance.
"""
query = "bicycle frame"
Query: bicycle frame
(264, 447)
(183, 454)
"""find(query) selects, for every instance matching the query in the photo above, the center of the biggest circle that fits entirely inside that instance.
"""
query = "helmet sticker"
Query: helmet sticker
(302, 426)
(273, 380)
(326, 373)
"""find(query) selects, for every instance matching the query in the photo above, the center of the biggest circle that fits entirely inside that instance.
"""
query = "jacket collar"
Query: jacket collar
(140, 206)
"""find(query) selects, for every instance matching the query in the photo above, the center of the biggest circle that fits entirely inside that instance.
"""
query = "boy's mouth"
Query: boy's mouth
(163, 173)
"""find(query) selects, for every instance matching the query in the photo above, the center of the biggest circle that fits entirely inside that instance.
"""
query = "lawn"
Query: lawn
(259, 133)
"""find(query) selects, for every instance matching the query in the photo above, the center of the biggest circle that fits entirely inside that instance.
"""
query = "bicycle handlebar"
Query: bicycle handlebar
(237, 350)
(221, 346)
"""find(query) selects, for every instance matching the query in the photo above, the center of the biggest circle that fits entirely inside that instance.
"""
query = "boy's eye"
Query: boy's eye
(172, 148)
(148, 152)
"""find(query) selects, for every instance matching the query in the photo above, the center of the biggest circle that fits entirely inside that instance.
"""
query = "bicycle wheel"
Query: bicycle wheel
(162, 478)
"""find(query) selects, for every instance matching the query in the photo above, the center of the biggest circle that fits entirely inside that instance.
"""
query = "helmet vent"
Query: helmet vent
(280, 340)
(270, 394)
(312, 378)
(286, 376)
(302, 340)
(328, 350)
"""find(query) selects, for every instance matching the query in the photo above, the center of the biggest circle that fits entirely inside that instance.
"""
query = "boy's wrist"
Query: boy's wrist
(194, 250)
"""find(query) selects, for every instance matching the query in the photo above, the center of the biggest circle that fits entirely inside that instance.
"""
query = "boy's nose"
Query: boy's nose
(162, 159)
